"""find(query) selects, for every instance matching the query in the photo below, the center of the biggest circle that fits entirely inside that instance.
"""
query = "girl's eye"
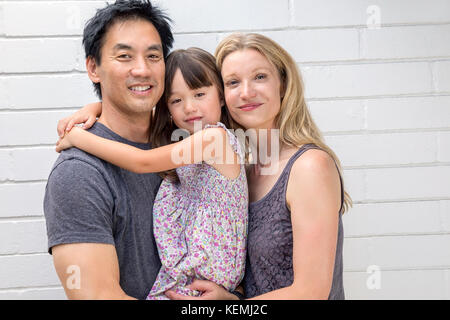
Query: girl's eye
(175, 101)
(199, 94)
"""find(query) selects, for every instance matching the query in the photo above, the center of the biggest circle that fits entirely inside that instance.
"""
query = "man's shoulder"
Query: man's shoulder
(77, 161)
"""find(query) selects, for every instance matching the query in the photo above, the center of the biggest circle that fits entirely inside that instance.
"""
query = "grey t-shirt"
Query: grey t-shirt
(88, 200)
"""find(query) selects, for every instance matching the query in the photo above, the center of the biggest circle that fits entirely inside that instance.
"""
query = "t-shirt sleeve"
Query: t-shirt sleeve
(78, 205)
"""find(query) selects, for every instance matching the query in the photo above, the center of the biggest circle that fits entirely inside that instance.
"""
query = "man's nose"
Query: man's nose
(141, 68)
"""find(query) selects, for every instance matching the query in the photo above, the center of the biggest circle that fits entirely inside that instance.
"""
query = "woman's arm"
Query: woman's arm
(206, 145)
(313, 195)
(86, 115)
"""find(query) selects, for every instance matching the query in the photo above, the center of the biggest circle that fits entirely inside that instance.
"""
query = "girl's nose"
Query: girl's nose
(189, 107)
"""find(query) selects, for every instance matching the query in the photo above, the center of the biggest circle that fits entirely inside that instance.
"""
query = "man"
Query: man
(99, 216)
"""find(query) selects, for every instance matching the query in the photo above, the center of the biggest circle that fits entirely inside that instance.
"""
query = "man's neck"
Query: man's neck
(133, 127)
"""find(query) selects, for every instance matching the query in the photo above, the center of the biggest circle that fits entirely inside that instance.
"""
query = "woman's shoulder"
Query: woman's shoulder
(314, 159)
(314, 166)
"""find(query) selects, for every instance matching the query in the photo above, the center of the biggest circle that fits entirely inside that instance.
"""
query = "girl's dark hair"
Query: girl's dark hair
(199, 69)
(122, 10)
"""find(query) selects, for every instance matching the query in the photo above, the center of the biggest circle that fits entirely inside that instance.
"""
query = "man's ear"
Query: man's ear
(91, 67)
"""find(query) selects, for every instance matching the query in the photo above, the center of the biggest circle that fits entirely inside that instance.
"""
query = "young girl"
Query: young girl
(200, 212)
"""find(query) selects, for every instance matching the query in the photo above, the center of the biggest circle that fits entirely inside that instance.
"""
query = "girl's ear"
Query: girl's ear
(91, 67)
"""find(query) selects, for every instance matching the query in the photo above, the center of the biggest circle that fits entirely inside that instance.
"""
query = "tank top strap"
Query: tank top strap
(287, 170)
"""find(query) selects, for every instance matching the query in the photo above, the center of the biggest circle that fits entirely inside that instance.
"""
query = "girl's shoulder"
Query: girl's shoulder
(234, 141)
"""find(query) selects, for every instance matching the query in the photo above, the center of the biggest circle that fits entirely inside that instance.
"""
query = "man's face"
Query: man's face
(131, 72)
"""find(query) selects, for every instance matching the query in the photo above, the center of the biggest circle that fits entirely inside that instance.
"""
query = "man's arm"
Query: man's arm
(78, 207)
(89, 271)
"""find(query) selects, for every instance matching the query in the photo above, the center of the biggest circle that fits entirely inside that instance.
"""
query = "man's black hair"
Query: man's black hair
(122, 10)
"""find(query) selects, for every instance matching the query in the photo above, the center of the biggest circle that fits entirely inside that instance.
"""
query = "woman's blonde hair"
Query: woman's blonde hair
(294, 119)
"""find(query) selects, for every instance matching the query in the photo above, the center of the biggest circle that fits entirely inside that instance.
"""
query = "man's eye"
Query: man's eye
(154, 57)
(124, 56)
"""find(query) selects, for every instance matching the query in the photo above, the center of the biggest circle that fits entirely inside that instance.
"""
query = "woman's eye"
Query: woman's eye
(261, 76)
(232, 82)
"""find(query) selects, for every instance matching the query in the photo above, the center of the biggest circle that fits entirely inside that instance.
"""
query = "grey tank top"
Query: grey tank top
(270, 246)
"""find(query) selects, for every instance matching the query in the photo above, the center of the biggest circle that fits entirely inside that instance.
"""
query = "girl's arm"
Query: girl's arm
(206, 145)
(314, 197)
(86, 115)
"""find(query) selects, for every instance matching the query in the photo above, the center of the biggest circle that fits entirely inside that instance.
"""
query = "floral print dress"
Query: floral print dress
(200, 227)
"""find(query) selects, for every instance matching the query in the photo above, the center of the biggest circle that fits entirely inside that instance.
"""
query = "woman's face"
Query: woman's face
(252, 89)
(188, 106)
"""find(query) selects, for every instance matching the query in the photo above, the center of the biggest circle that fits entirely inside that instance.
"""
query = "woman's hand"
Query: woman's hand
(86, 116)
(209, 289)
(66, 141)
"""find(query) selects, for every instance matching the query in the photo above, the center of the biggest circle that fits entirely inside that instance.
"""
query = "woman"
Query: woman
(295, 234)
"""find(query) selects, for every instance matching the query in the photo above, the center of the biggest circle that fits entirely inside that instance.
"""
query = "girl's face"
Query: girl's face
(187, 106)
(252, 89)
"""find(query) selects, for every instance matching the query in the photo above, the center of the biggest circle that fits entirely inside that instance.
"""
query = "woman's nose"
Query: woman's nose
(247, 90)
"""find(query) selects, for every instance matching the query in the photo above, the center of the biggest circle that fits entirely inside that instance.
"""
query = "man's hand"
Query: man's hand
(209, 289)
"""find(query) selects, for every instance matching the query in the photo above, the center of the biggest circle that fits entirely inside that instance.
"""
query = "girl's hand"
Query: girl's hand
(65, 142)
(209, 289)
(86, 116)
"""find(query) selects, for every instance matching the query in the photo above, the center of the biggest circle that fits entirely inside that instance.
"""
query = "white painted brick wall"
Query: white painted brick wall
(381, 97)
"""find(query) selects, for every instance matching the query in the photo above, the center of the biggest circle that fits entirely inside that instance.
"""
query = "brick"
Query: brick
(2, 19)
(27, 164)
(67, 17)
(16, 126)
(318, 45)
(367, 79)
(339, 115)
(397, 252)
(22, 237)
(444, 147)
(445, 214)
(355, 184)
(408, 183)
(38, 55)
(408, 113)
(56, 293)
(442, 75)
(322, 13)
(384, 149)
(49, 91)
(21, 200)
(398, 285)
(239, 15)
(395, 218)
(27, 271)
(406, 42)
(208, 41)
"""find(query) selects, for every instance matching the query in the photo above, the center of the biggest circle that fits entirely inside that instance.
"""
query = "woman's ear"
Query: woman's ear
(91, 67)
